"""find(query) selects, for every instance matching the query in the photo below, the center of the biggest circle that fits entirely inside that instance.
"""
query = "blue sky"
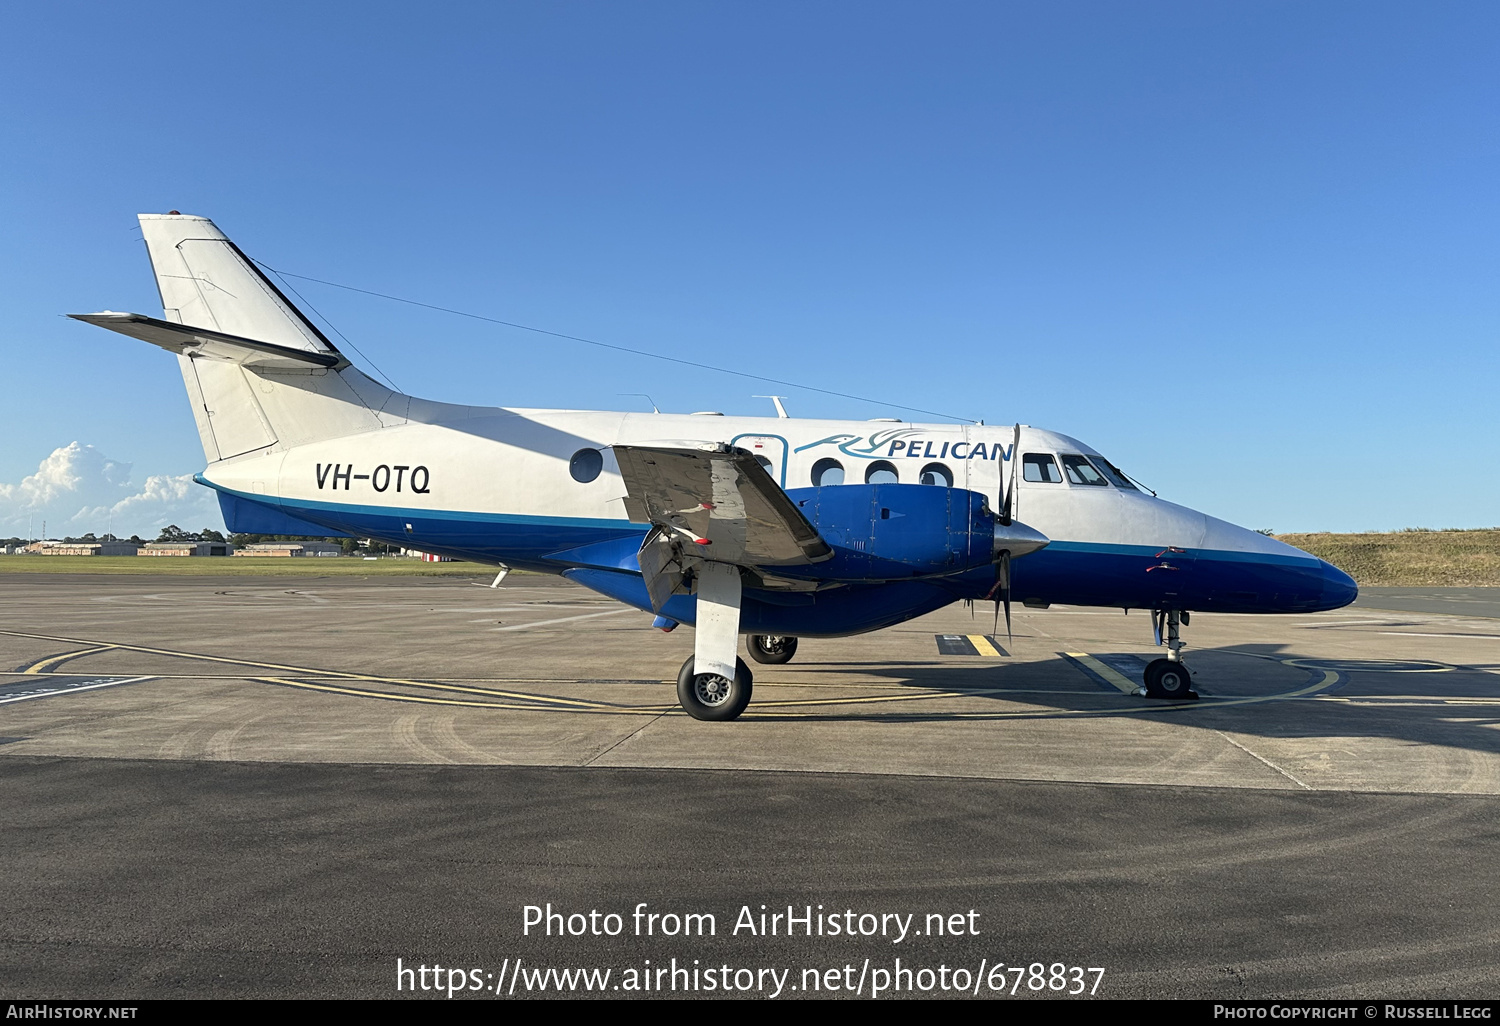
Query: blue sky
(1249, 251)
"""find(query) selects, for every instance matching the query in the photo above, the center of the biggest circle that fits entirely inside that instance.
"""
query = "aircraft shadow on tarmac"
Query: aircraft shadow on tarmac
(1270, 690)
(1267, 690)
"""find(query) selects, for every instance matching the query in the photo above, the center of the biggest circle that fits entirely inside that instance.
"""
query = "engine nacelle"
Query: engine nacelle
(897, 531)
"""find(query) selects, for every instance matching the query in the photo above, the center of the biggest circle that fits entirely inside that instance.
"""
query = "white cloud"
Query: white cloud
(78, 489)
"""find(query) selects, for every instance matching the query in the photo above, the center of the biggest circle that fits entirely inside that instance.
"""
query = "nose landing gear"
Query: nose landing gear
(1169, 677)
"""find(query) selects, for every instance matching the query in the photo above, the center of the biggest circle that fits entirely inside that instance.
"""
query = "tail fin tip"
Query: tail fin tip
(206, 281)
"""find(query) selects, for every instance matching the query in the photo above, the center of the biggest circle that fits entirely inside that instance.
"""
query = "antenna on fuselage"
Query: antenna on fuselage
(776, 399)
(644, 396)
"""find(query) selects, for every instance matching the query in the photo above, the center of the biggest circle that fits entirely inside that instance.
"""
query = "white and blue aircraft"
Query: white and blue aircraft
(775, 528)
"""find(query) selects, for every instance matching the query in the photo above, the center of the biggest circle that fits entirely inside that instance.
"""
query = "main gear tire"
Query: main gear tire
(770, 648)
(709, 696)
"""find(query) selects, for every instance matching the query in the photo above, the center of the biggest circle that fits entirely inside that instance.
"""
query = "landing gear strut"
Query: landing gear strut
(770, 648)
(1169, 677)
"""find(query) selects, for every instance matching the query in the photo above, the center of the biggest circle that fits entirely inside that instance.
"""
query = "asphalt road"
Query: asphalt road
(166, 879)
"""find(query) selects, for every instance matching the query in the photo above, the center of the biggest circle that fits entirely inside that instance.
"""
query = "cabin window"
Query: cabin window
(763, 461)
(827, 472)
(1114, 473)
(586, 465)
(1081, 471)
(1040, 467)
(881, 472)
(936, 474)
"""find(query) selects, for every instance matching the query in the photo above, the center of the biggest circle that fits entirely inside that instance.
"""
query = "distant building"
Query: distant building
(285, 549)
(188, 548)
(427, 557)
(282, 549)
(321, 548)
(58, 548)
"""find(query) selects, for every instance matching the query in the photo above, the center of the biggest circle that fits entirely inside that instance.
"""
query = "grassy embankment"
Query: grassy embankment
(230, 566)
(1410, 559)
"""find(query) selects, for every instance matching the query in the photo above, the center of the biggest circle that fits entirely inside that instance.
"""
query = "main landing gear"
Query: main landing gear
(1169, 677)
(710, 696)
(770, 648)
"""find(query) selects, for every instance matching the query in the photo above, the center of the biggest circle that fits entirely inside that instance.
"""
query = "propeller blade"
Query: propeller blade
(1005, 593)
(1001, 592)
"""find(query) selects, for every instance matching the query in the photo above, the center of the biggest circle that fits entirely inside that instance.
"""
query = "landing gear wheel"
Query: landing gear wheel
(770, 648)
(1168, 679)
(708, 696)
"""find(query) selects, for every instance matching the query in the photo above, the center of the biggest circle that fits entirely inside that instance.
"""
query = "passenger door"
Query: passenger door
(770, 451)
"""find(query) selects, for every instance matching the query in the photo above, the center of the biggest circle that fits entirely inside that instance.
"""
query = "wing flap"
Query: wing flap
(187, 340)
(719, 504)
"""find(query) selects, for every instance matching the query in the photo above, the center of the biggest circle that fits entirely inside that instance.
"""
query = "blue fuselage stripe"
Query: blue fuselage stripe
(1065, 572)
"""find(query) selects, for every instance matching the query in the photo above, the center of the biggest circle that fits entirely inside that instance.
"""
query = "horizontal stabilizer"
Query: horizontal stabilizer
(186, 340)
(204, 279)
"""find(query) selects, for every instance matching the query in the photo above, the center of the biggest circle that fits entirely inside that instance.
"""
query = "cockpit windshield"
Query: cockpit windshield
(1115, 475)
(1081, 472)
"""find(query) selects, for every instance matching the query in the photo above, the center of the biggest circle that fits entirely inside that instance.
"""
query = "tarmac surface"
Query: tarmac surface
(277, 788)
(1450, 601)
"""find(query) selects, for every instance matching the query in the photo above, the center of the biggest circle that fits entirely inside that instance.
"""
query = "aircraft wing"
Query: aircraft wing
(186, 340)
(719, 505)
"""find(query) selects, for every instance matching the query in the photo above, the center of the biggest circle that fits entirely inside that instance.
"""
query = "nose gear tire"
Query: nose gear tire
(1166, 679)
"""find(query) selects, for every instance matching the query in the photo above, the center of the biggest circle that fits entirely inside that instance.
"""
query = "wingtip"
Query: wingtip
(103, 315)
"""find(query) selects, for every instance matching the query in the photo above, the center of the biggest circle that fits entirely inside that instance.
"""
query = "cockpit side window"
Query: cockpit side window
(1115, 475)
(1039, 467)
(1081, 471)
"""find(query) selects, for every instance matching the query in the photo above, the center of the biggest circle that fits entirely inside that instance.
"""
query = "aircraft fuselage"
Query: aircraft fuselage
(503, 486)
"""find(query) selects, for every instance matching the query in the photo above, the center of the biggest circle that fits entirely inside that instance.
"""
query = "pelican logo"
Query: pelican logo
(897, 442)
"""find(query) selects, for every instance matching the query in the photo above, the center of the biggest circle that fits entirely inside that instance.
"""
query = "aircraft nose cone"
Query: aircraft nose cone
(1018, 539)
(1339, 588)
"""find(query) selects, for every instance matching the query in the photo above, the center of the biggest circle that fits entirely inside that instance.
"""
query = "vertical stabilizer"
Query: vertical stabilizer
(206, 282)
